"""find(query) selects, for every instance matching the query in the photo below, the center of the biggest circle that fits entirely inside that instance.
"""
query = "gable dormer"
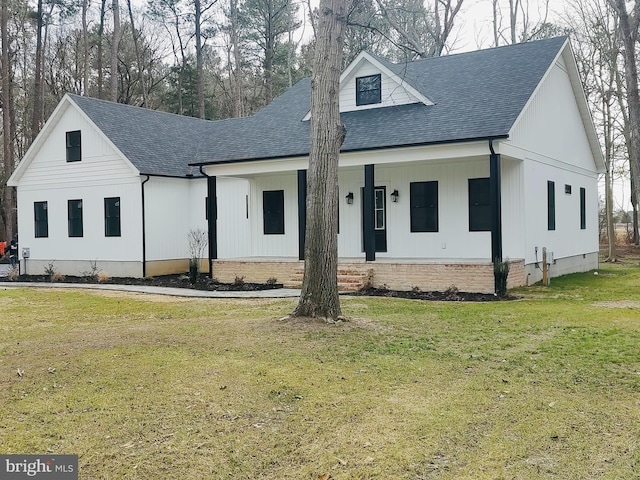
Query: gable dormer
(369, 82)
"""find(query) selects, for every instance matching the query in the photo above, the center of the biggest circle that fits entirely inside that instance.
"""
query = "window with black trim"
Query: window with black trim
(74, 215)
(368, 90)
(479, 205)
(551, 205)
(112, 217)
(583, 209)
(41, 219)
(273, 212)
(423, 201)
(74, 146)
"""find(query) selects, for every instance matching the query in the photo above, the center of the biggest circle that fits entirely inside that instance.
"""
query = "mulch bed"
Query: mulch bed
(174, 281)
(203, 283)
(450, 295)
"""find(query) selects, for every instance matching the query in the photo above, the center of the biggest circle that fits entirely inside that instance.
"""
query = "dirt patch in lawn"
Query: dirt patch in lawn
(618, 304)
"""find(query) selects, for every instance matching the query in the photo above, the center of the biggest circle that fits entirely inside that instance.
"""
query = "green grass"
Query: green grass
(547, 386)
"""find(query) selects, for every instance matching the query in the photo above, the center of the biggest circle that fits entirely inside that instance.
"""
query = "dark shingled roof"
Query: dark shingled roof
(477, 95)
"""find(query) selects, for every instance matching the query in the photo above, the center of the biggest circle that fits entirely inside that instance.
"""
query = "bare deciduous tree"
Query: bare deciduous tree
(319, 297)
(113, 95)
(628, 24)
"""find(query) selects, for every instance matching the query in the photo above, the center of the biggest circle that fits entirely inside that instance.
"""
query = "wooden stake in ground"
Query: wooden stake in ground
(319, 297)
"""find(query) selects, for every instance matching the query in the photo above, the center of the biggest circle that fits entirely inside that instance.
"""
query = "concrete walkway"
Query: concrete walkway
(176, 292)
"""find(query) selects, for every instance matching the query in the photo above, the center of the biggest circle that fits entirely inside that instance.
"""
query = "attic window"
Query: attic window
(74, 152)
(368, 90)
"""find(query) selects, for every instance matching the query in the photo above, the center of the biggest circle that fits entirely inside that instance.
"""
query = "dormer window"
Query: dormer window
(368, 90)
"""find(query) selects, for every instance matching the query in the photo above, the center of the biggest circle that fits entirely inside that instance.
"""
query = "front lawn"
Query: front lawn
(146, 387)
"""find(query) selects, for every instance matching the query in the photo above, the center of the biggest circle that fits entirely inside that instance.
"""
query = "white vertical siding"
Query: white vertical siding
(275, 245)
(513, 215)
(453, 238)
(174, 206)
(568, 239)
(392, 93)
(551, 125)
(233, 221)
(551, 135)
(168, 217)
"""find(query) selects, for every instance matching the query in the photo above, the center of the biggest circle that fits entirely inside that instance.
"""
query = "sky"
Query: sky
(474, 28)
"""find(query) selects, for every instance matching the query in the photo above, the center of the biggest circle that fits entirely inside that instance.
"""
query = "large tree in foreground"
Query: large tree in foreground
(319, 297)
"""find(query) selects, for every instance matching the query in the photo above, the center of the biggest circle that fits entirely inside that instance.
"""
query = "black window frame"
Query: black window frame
(41, 219)
(74, 146)
(273, 212)
(551, 205)
(479, 204)
(112, 223)
(423, 206)
(75, 227)
(583, 208)
(369, 90)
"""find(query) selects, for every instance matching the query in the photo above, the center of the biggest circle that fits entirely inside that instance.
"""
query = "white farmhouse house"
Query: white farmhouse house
(449, 164)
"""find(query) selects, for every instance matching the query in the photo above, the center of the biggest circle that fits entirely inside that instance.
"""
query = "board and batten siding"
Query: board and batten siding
(285, 245)
(453, 240)
(392, 93)
(552, 140)
(233, 222)
(101, 173)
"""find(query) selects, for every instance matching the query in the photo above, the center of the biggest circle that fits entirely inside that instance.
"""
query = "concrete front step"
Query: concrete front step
(349, 280)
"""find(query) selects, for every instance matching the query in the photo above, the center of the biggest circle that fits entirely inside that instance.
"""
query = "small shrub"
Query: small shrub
(272, 281)
(51, 271)
(13, 273)
(56, 277)
(93, 273)
(415, 289)
(102, 277)
(238, 281)
(197, 242)
(451, 293)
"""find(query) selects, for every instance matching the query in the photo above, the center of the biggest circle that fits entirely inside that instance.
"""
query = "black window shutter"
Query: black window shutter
(583, 208)
(551, 205)
(273, 212)
(479, 205)
(423, 201)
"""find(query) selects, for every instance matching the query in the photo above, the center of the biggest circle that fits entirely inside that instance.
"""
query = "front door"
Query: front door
(379, 217)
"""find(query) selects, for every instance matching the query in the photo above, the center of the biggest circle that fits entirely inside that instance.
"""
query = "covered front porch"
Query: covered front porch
(422, 217)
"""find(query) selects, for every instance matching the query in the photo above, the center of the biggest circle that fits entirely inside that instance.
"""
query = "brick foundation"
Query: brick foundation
(401, 275)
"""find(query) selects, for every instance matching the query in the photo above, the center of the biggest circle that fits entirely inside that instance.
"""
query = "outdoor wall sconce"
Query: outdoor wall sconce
(394, 196)
(349, 198)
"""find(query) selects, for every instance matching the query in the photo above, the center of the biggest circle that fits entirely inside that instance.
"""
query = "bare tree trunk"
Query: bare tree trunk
(103, 7)
(8, 198)
(85, 49)
(113, 94)
(319, 297)
(629, 30)
(238, 94)
(143, 85)
(268, 55)
(36, 118)
(611, 230)
(199, 67)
